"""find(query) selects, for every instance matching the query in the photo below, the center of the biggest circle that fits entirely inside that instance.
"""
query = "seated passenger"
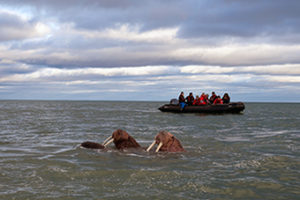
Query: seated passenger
(181, 100)
(190, 99)
(206, 99)
(196, 101)
(203, 99)
(218, 100)
(226, 98)
(213, 97)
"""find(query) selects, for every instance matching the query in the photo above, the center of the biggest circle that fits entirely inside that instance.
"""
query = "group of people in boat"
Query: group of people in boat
(204, 99)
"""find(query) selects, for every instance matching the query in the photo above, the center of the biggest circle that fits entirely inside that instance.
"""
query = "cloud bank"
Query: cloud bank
(134, 50)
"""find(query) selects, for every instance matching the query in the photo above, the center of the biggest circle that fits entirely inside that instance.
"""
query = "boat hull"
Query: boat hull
(213, 109)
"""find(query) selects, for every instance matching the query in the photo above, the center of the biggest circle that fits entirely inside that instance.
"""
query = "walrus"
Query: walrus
(92, 145)
(166, 142)
(122, 140)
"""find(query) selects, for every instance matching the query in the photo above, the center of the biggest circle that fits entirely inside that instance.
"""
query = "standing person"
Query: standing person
(181, 100)
(213, 97)
(190, 99)
(226, 98)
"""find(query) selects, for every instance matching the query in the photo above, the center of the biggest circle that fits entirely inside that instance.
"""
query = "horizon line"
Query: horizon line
(127, 100)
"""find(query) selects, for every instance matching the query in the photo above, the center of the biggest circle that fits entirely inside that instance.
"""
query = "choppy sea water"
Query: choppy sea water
(254, 155)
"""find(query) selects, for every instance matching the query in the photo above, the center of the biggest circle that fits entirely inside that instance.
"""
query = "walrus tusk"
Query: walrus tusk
(106, 140)
(110, 141)
(150, 147)
(159, 146)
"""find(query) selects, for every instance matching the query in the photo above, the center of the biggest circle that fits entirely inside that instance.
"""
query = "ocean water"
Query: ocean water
(254, 155)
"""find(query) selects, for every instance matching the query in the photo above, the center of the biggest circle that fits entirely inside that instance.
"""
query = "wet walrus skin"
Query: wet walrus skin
(122, 140)
(167, 142)
(92, 145)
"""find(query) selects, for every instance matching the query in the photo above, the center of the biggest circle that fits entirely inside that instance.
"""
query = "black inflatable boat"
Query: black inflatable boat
(237, 107)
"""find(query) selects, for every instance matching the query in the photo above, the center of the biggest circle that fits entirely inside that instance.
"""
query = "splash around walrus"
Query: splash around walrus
(122, 140)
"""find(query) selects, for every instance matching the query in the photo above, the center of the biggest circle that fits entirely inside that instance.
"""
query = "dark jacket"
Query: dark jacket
(181, 99)
(226, 98)
(212, 98)
(190, 99)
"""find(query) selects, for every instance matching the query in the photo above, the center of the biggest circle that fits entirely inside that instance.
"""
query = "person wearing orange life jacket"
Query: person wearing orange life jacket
(196, 101)
(203, 100)
(218, 100)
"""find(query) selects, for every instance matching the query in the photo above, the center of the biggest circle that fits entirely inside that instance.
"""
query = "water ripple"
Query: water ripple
(250, 156)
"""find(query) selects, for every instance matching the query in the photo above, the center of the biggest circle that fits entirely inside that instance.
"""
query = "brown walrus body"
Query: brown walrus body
(166, 142)
(122, 140)
(92, 145)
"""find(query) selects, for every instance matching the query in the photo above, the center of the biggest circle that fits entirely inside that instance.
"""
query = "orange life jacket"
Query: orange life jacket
(196, 102)
(218, 101)
(202, 100)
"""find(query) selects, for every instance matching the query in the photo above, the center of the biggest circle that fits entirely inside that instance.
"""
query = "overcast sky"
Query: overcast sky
(149, 50)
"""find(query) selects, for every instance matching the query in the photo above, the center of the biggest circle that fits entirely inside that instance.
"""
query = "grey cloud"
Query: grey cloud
(65, 4)
(221, 32)
(247, 18)
(64, 57)
(147, 14)
(9, 68)
(95, 14)
(130, 88)
(15, 28)
(90, 14)
(243, 19)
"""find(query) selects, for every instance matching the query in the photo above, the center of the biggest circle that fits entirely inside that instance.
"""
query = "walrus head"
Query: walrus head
(166, 142)
(122, 140)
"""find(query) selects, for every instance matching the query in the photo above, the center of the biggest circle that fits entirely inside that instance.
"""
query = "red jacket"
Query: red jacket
(218, 101)
(203, 100)
(196, 102)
